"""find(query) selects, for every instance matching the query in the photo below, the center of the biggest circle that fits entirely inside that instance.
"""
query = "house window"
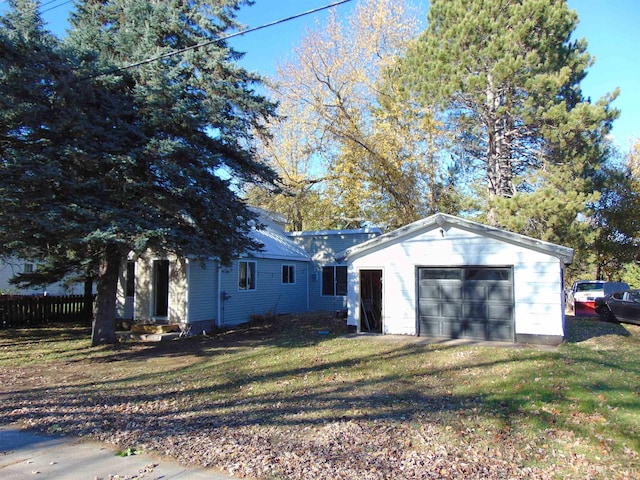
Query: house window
(288, 274)
(160, 288)
(334, 280)
(130, 279)
(28, 268)
(247, 275)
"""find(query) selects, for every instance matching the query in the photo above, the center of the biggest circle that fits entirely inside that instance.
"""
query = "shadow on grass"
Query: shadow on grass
(231, 391)
(264, 374)
(581, 328)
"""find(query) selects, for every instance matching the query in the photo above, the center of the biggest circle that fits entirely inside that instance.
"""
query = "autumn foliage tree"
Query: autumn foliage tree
(367, 153)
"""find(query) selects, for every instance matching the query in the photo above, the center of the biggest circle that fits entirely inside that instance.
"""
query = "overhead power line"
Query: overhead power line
(52, 7)
(210, 42)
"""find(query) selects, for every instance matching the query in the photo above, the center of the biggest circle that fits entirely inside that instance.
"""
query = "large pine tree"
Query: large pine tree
(144, 156)
(507, 74)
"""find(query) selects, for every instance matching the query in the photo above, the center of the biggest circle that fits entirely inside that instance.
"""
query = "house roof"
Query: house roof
(277, 245)
(320, 233)
(442, 220)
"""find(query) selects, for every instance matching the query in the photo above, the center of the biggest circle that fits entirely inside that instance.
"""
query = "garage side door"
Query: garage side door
(466, 302)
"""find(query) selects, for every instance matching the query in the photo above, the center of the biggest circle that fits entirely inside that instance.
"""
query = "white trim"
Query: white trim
(444, 222)
(368, 230)
(152, 303)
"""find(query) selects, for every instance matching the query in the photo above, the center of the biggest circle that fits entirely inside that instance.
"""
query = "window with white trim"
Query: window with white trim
(334, 281)
(288, 274)
(246, 275)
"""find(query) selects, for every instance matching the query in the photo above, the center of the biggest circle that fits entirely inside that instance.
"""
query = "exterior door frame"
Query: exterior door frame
(371, 300)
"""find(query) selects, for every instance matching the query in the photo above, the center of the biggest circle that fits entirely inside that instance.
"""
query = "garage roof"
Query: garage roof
(444, 221)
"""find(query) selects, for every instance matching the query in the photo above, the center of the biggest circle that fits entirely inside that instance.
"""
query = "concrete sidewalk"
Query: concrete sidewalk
(27, 454)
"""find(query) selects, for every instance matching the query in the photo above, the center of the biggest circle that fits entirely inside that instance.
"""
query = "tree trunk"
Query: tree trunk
(104, 317)
(499, 150)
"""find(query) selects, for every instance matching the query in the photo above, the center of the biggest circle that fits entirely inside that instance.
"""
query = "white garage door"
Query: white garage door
(466, 302)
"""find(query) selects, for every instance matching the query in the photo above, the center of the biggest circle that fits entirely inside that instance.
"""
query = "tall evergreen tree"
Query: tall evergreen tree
(508, 75)
(150, 156)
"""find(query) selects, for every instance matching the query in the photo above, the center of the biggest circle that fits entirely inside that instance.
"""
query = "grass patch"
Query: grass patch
(573, 411)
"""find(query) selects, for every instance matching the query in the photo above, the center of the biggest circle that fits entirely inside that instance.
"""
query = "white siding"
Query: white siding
(143, 309)
(537, 277)
(539, 298)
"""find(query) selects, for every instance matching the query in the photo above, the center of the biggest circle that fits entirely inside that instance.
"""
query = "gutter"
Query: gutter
(218, 297)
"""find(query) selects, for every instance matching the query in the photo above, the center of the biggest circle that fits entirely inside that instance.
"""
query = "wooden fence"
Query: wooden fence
(24, 310)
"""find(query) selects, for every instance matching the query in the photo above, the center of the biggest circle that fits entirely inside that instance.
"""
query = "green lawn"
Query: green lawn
(569, 412)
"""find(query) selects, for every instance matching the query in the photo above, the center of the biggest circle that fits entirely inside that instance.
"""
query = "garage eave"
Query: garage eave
(444, 221)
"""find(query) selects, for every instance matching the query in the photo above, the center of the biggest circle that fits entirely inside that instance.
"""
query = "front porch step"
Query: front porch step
(147, 337)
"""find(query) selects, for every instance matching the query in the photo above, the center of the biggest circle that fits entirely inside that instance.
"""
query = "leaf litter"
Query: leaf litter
(281, 438)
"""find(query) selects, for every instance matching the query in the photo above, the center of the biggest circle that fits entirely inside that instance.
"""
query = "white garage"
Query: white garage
(448, 277)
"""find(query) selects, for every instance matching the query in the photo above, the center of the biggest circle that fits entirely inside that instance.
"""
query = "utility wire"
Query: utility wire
(54, 6)
(209, 42)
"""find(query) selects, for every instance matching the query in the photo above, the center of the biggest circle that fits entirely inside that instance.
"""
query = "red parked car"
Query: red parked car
(581, 299)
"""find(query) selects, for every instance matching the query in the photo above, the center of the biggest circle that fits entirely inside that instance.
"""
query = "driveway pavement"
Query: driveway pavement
(26, 454)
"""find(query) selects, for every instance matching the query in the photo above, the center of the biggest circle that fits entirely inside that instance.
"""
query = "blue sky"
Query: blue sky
(611, 28)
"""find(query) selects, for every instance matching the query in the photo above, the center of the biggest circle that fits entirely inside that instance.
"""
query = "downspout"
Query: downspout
(309, 278)
(219, 298)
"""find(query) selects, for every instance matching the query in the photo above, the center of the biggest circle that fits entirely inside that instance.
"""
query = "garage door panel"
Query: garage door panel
(451, 310)
(500, 312)
(475, 292)
(440, 274)
(440, 310)
(487, 311)
(451, 292)
(492, 274)
(464, 329)
(441, 291)
(431, 327)
(429, 291)
(475, 310)
(500, 331)
(466, 302)
(500, 293)
(475, 330)
(429, 308)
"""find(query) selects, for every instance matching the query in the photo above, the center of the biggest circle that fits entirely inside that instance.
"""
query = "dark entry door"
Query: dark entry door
(466, 302)
(371, 301)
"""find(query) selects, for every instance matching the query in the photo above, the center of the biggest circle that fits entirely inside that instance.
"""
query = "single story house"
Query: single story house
(10, 267)
(445, 276)
(442, 276)
(295, 272)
